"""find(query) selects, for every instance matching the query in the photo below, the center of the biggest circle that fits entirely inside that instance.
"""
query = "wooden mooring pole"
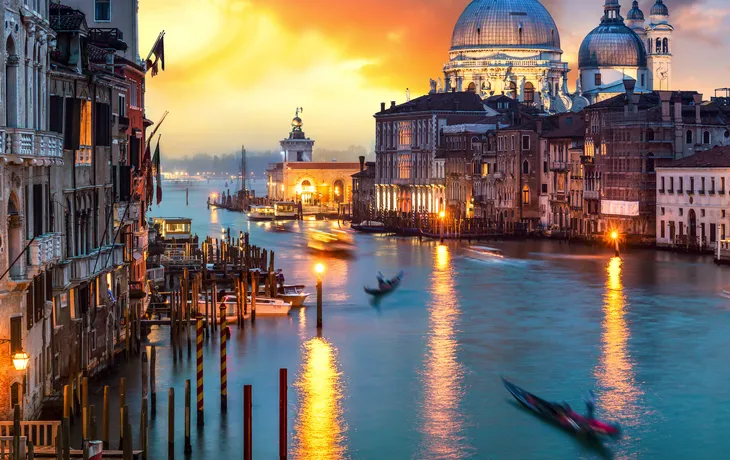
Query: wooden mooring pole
(282, 413)
(188, 446)
(247, 423)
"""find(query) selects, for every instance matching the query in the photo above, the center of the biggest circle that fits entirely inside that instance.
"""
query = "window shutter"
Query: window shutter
(37, 209)
(56, 114)
(124, 183)
(16, 334)
(102, 125)
(134, 152)
(72, 131)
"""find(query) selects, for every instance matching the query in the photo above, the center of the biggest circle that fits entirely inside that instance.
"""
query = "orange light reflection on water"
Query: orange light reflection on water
(443, 374)
(320, 430)
(615, 372)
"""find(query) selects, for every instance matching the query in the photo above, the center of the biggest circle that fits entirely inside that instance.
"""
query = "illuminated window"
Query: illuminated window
(525, 195)
(485, 169)
(85, 123)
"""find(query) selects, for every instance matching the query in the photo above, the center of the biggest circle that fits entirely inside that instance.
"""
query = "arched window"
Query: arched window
(525, 167)
(658, 46)
(11, 84)
(706, 137)
(472, 88)
(525, 195)
(649, 135)
(529, 93)
(512, 90)
(557, 89)
(665, 46)
(689, 137)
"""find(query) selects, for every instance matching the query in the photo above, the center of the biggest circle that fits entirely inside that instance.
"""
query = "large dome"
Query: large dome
(612, 45)
(505, 23)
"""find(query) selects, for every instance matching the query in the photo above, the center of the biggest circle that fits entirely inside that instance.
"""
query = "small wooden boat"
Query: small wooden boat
(485, 252)
(386, 287)
(561, 414)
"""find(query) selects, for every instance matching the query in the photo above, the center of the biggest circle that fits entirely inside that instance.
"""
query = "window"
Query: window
(102, 10)
(665, 46)
(663, 211)
(722, 231)
(545, 167)
(702, 213)
(544, 188)
(681, 185)
(525, 142)
(86, 123)
(529, 92)
(485, 169)
(712, 185)
(713, 233)
(706, 137)
(16, 336)
(681, 229)
(598, 79)
(691, 185)
(658, 46)
(663, 230)
(525, 167)
(133, 101)
(122, 105)
(688, 137)
(513, 142)
(702, 188)
(681, 211)
(649, 135)
(662, 187)
(525, 195)
(722, 185)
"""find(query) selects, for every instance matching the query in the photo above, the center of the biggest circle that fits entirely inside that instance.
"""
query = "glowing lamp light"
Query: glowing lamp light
(108, 279)
(442, 214)
(614, 235)
(20, 361)
(319, 269)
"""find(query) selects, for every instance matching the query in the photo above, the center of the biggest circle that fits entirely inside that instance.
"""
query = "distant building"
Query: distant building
(363, 191)
(300, 179)
(693, 200)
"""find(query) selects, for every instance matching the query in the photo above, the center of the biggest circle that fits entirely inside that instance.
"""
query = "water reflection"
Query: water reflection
(320, 430)
(443, 374)
(615, 371)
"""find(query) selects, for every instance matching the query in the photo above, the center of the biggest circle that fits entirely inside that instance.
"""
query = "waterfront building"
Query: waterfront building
(92, 280)
(363, 191)
(30, 237)
(409, 176)
(628, 135)
(504, 47)
(692, 200)
(298, 178)
(563, 162)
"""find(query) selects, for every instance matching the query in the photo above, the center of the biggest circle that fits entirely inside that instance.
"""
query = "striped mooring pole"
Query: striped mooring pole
(224, 377)
(199, 358)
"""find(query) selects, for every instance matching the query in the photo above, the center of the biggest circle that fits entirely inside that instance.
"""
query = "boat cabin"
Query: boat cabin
(174, 228)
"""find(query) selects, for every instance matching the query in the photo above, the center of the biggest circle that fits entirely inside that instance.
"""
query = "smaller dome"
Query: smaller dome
(659, 9)
(611, 45)
(635, 13)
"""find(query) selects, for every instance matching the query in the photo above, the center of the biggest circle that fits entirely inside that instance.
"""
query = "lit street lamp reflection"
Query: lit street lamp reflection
(443, 375)
(319, 431)
(615, 371)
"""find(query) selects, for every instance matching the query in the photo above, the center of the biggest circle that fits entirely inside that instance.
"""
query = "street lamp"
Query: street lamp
(319, 269)
(20, 361)
(614, 237)
(442, 214)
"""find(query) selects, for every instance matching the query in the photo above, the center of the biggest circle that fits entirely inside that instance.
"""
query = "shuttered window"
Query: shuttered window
(37, 209)
(16, 334)
(72, 131)
(134, 146)
(103, 125)
(56, 114)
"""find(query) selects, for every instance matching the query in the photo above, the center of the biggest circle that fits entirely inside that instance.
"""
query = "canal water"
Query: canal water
(418, 376)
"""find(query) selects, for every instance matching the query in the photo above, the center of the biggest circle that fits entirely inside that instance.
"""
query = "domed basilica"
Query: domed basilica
(512, 47)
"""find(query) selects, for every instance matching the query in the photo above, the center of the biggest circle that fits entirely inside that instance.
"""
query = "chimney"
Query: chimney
(392, 104)
(665, 97)
(630, 86)
(678, 108)
(382, 106)
(362, 163)
(698, 104)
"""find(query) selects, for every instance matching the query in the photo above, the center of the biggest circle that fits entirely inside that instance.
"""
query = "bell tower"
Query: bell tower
(659, 47)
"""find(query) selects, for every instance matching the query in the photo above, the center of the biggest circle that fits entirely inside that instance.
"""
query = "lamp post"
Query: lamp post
(614, 237)
(319, 268)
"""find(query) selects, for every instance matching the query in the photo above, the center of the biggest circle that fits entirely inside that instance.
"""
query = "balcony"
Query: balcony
(140, 241)
(591, 194)
(123, 123)
(44, 250)
(28, 144)
(559, 166)
(128, 213)
(88, 266)
(108, 38)
(559, 198)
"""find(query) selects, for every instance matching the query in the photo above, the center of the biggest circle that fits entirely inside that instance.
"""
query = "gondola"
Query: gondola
(386, 288)
(561, 414)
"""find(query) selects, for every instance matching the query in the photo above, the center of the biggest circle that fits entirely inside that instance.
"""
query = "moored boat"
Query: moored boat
(266, 306)
(261, 213)
(295, 295)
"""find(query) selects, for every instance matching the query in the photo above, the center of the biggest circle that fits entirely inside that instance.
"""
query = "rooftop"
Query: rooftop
(718, 157)
(448, 102)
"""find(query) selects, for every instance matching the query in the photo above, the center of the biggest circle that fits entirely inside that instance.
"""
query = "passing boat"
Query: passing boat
(266, 306)
(485, 252)
(334, 242)
(261, 213)
(561, 414)
(385, 287)
(369, 226)
(294, 295)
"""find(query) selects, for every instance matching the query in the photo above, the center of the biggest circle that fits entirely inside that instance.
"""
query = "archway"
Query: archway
(692, 225)
(339, 191)
(306, 190)
(512, 91)
(14, 236)
(472, 88)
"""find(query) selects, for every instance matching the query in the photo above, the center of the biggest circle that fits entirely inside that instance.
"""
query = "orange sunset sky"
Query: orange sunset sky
(237, 69)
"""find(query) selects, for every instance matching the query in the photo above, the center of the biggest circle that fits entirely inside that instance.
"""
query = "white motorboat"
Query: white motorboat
(261, 213)
(485, 252)
(336, 241)
(286, 210)
(266, 306)
(295, 295)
